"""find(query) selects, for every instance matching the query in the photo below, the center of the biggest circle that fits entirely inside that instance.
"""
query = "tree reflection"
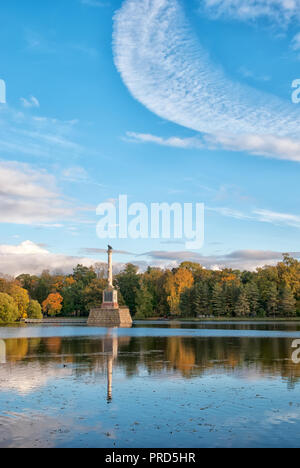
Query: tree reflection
(186, 356)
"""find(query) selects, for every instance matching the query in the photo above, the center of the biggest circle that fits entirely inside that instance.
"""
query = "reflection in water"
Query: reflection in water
(187, 356)
(187, 391)
(2, 352)
(110, 348)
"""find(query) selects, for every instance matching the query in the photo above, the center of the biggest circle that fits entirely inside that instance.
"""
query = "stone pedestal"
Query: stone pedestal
(110, 314)
(110, 317)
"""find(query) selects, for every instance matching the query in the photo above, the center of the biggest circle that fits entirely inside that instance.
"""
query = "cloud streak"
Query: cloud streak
(165, 67)
(279, 11)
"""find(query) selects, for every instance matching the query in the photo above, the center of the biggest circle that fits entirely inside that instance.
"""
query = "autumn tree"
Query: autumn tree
(34, 310)
(53, 304)
(8, 309)
(176, 283)
(21, 298)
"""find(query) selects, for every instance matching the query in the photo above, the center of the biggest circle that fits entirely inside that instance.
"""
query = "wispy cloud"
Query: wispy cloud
(268, 146)
(259, 215)
(24, 134)
(282, 12)
(31, 102)
(166, 68)
(278, 218)
(174, 142)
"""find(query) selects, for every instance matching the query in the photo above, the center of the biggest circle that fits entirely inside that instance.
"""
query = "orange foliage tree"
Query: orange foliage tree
(53, 304)
(175, 284)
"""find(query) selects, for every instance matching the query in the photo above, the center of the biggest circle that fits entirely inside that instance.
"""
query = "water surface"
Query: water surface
(157, 384)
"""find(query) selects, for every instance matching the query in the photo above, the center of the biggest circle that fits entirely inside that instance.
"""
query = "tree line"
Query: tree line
(186, 291)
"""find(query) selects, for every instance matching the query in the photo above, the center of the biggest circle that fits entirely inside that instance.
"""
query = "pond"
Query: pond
(157, 385)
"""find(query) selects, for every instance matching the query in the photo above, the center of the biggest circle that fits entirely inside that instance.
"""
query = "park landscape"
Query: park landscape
(164, 134)
(189, 291)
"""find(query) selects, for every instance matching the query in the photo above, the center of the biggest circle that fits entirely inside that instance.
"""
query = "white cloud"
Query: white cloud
(278, 218)
(165, 67)
(29, 257)
(31, 102)
(279, 11)
(30, 196)
(174, 142)
(267, 145)
(259, 215)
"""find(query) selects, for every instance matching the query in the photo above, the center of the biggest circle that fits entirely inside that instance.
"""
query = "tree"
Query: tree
(287, 303)
(217, 300)
(34, 310)
(84, 275)
(144, 302)
(187, 303)
(128, 282)
(252, 294)
(201, 299)
(53, 304)
(242, 308)
(93, 293)
(21, 298)
(176, 283)
(8, 309)
(272, 300)
(43, 287)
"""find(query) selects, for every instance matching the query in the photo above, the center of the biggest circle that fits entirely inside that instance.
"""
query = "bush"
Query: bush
(9, 311)
(34, 310)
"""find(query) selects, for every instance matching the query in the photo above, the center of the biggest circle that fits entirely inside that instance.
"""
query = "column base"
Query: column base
(110, 317)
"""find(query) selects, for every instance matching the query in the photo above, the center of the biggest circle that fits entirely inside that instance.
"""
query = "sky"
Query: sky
(165, 101)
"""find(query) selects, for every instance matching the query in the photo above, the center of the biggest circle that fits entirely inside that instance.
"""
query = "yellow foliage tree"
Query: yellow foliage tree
(175, 284)
(21, 298)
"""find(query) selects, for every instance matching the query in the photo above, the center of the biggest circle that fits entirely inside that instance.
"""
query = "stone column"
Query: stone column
(110, 271)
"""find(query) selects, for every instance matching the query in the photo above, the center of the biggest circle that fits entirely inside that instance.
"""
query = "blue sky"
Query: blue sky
(165, 101)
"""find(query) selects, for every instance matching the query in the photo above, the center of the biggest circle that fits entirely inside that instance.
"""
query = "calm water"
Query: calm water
(154, 385)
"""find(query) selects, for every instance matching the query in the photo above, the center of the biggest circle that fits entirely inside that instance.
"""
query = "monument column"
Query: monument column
(110, 314)
(110, 270)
